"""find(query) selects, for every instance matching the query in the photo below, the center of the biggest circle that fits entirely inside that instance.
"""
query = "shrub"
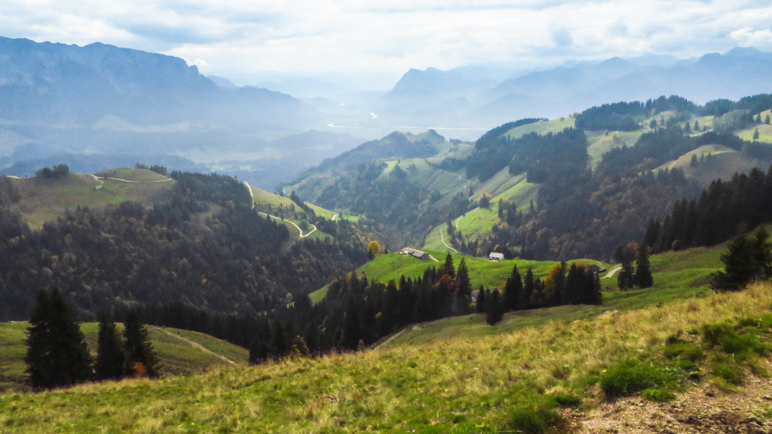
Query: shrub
(684, 351)
(725, 367)
(565, 400)
(536, 420)
(630, 376)
(657, 395)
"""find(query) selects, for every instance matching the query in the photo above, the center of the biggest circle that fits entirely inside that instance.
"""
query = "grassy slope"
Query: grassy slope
(677, 276)
(723, 163)
(132, 174)
(481, 271)
(543, 127)
(466, 384)
(46, 199)
(765, 131)
(177, 357)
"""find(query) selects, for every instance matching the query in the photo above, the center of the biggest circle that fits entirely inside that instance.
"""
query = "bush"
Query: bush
(630, 376)
(726, 368)
(536, 420)
(657, 395)
(684, 351)
(565, 400)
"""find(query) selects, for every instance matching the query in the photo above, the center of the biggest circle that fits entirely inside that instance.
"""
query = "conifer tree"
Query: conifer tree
(747, 260)
(513, 291)
(528, 287)
(625, 277)
(464, 288)
(481, 300)
(448, 267)
(494, 309)
(138, 347)
(643, 276)
(57, 354)
(110, 356)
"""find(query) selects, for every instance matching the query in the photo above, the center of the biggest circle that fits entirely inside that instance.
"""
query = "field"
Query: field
(601, 142)
(177, 356)
(45, 200)
(481, 382)
(542, 127)
(765, 131)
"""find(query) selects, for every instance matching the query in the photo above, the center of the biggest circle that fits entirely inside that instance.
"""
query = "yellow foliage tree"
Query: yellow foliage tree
(373, 249)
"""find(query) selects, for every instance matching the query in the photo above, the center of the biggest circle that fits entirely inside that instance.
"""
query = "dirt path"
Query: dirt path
(612, 273)
(98, 178)
(442, 238)
(196, 345)
(279, 218)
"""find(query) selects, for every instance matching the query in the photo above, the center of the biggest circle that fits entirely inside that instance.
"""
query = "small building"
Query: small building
(496, 256)
(414, 253)
(596, 268)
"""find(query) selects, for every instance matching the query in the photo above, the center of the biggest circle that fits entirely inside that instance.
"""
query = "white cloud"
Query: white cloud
(747, 37)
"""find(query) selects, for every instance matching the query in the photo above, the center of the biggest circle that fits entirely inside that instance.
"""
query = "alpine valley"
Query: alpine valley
(596, 259)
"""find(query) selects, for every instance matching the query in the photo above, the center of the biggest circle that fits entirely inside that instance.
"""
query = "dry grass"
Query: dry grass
(459, 385)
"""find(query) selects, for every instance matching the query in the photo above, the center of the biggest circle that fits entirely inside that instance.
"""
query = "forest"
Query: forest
(204, 247)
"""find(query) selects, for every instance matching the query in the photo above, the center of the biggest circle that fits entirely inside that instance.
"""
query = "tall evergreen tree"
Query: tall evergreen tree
(448, 268)
(139, 350)
(625, 279)
(495, 308)
(513, 291)
(110, 356)
(643, 276)
(528, 287)
(464, 288)
(481, 301)
(57, 354)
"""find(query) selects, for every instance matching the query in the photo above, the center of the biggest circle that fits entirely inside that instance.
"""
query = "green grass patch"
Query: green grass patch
(536, 420)
(658, 395)
(142, 175)
(630, 376)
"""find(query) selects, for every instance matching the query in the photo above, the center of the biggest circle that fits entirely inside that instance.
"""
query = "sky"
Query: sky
(375, 42)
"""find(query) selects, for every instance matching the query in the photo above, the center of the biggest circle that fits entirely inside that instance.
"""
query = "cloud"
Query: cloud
(747, 37)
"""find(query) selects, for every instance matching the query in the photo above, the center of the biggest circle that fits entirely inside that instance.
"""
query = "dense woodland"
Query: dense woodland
(204, 247)
(358, 313)
(724, 209)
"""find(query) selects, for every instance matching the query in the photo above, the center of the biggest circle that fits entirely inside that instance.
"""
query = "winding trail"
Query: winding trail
(612, 273)
(279, 218)
(196, 345)
(98, 178)
(442, 238)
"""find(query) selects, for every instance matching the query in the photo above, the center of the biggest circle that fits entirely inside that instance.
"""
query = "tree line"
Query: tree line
(717, 215)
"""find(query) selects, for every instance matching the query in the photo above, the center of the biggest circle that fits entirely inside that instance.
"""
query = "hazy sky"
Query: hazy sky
(245, 39)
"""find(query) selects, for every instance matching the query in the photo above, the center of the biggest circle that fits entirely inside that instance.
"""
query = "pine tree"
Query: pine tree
(766, 120)
(528, 287)
(481, 300)
(643, 276)
(756, 134)
(746, 261)
(110, 356)
(494, 309)
(448, 267)
(57, 354)
(625, 277)
(513, 291)
(140, 355)
(464, 288)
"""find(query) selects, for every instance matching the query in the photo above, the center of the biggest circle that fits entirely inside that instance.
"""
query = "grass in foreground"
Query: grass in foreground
(509, 381)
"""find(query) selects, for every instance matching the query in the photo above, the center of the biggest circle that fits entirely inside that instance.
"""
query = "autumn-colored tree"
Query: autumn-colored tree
(373, 249)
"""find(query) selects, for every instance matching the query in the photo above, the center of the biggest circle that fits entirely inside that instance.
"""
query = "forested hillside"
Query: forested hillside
(561, 189)
(204, 247)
